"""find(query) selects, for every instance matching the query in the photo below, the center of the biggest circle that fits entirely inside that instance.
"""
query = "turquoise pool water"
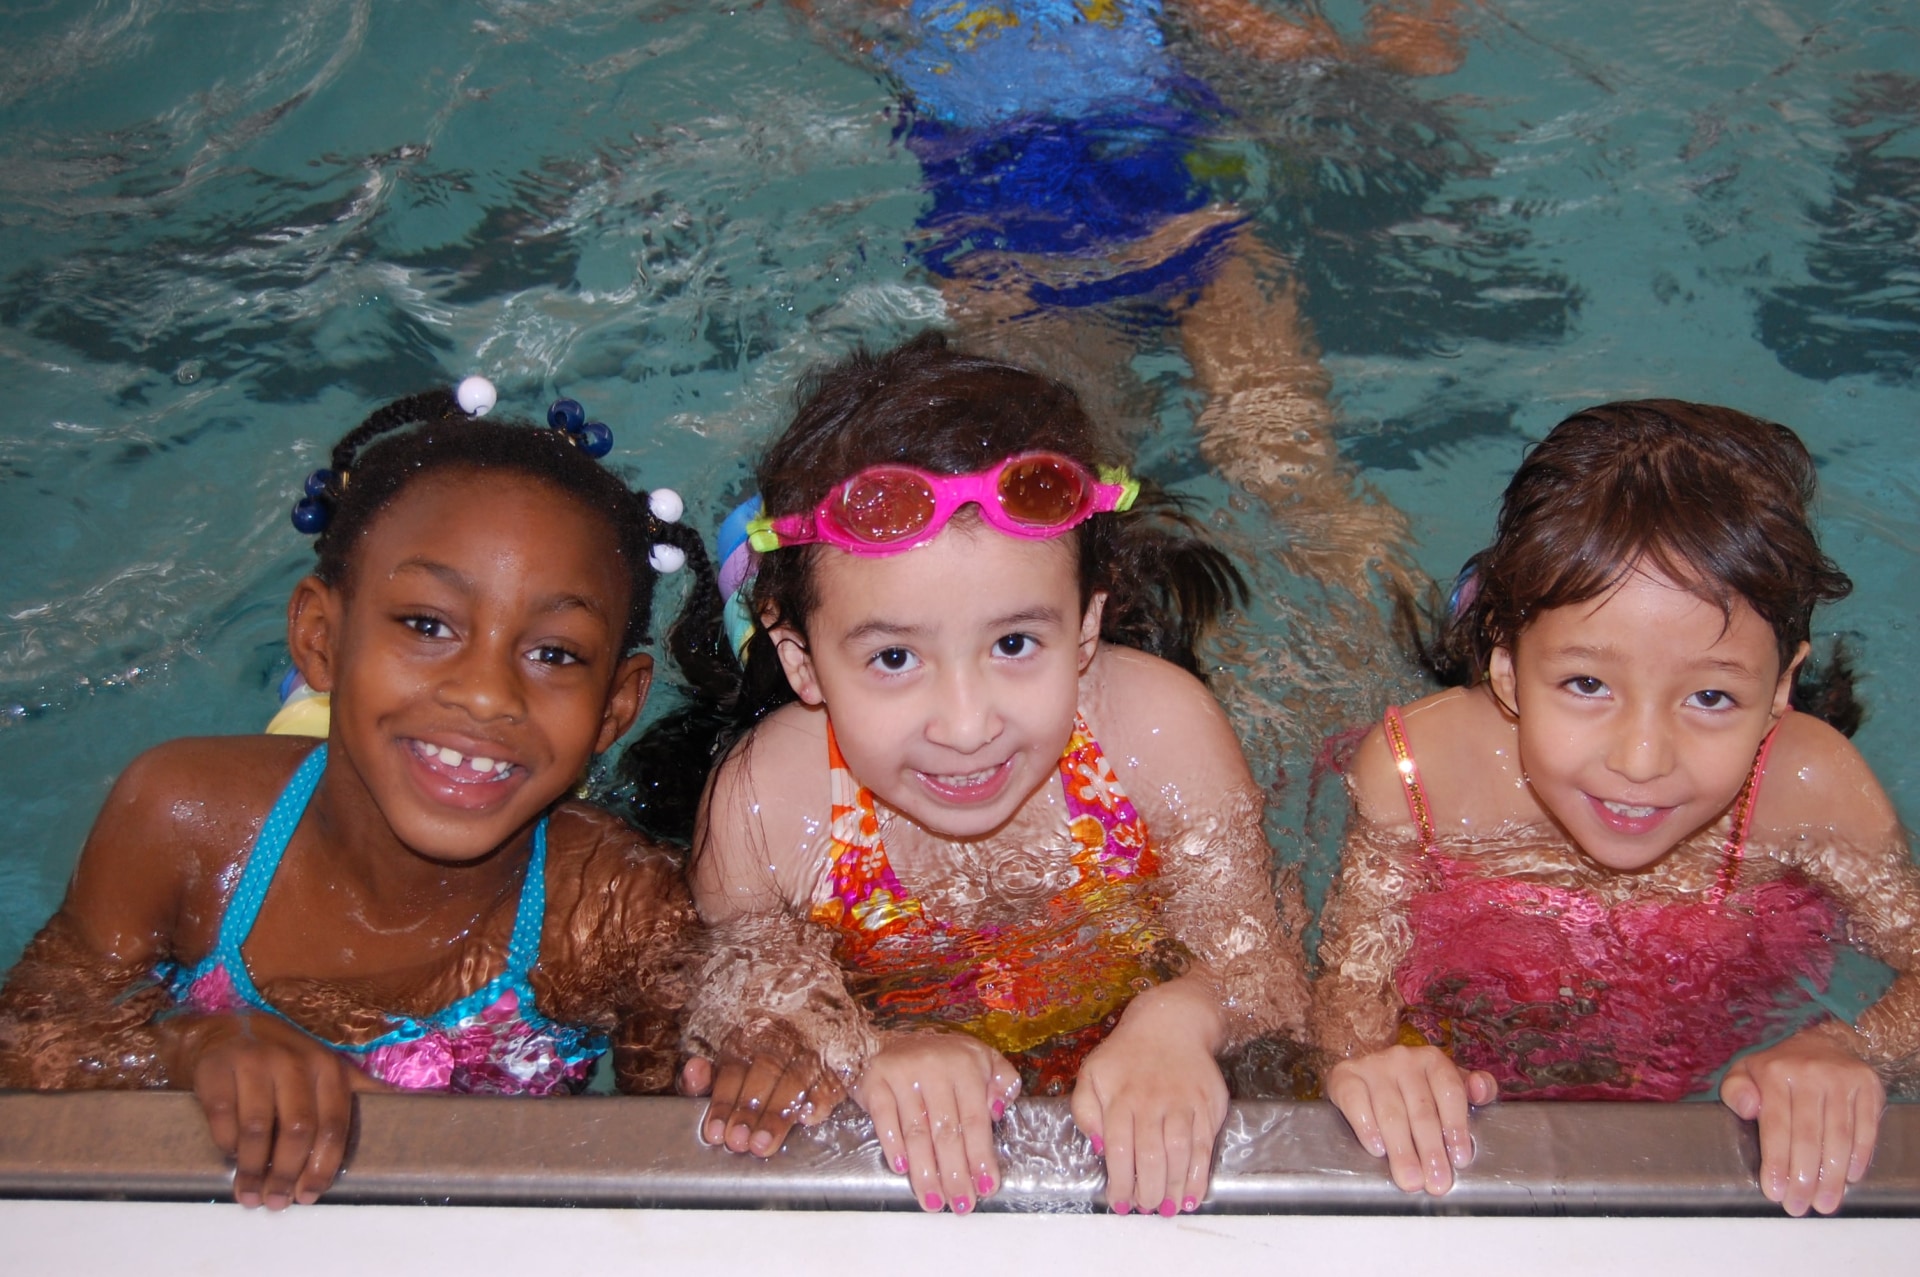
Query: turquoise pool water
(228, 230)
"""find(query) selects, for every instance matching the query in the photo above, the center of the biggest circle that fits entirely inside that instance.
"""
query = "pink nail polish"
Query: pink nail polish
(1167, 1209)
(899, 1163)
(1099, 1145)
(935, 1201)
(1189, 1206)
(984, 1183)
(999, 1109)
(1121, 1208)
(961, 1205)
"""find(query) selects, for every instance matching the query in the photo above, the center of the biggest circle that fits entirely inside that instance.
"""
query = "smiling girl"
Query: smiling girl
(1617, 858)
(990, 832)
(414, 902)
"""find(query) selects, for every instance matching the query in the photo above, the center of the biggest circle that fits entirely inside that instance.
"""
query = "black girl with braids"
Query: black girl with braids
(989, 831)
(415, 902)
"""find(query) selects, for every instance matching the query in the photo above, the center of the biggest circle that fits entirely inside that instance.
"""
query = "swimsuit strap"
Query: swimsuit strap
(263, 861)
(1098, 809)
(1395, 730)
(1743, 808)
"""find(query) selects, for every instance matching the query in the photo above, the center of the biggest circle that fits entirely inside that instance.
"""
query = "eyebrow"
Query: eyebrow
(1582, 652)
(463, 584)
(880, 627)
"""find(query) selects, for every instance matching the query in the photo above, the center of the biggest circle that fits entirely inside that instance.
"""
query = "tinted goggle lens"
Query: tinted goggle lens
(880, 506)
(1043, 492)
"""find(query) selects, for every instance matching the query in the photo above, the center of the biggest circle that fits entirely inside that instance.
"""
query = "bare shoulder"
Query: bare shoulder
(1464, 753)
(1816, 782)
(1154, 719)
(175, 821)
(590, 851)
(762, 817)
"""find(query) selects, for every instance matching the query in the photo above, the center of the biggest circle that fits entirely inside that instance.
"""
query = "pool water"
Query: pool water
(230, 229)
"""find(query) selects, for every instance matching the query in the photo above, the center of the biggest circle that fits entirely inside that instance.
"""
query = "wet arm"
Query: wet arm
(1413, 37)
(81, 1008)
(1364, 940)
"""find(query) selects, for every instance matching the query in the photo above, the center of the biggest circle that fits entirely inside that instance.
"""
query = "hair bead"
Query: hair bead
(666, 505)
(311, 516)
(594, 439)
(567, 415)
(476, 396)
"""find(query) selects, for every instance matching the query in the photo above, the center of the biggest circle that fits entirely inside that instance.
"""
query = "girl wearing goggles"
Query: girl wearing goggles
(988, 832)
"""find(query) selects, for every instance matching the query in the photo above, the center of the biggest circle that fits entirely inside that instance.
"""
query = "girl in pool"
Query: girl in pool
(413, 903)
(1615, 858)
(998, 835)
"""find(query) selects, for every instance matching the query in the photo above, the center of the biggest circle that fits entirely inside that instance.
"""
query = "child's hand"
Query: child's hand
(277, 1102)
(1151, 1099)
(934, 1097)
(1819, 1109)
(756, 1102)
(1409, 1105)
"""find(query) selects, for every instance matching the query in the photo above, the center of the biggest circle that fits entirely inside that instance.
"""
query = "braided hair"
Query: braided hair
(380, 458)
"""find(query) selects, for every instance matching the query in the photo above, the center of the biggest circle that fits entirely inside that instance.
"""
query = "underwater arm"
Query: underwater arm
(1413, 37)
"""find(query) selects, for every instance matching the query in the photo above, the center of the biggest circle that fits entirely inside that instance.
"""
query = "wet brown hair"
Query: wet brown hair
(925, 404)
(1713, 498)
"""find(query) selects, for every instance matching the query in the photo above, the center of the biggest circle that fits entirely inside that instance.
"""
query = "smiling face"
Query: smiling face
(474, 657)
(951, 671)
(1640, 712)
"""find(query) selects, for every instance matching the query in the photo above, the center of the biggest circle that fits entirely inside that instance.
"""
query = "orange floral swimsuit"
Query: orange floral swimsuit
(1045, 990)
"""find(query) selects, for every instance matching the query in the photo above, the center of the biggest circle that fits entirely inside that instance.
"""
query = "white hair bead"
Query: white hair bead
(476, 396)
(666, 505)
(666, 558)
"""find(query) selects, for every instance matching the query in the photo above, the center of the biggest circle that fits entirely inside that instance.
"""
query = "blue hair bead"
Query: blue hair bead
(567, 415)
(319, 481)
(310, 516)
(595, 439)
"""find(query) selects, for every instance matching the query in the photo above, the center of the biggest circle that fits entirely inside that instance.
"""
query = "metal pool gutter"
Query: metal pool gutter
(1275, 1158)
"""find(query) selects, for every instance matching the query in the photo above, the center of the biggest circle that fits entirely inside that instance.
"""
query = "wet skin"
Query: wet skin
(481, 617)
(953, 673)
(1606, 749)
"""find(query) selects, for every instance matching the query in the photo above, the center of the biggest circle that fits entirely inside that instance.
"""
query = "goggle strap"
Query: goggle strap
(760, 534)
(1129, 486)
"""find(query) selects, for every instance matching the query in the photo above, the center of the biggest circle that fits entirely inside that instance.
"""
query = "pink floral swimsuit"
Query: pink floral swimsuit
(491, 1042)
(1561, 996)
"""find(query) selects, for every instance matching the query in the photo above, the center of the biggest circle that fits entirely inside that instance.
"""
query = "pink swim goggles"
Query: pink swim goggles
(890, 509)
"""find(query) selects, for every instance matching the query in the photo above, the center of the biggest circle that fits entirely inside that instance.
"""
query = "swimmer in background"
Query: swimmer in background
(414, 903)
(1061, 143)
(1618, 856)
(988, 832)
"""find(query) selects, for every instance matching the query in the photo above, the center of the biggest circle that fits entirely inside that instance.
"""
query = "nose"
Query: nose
(966, 718)
(1641, 748)
(484, 681)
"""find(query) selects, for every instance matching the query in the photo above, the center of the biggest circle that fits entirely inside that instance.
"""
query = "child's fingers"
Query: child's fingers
(217, 1089)
(923, 1165)
(819, 1103)
(1199, 1169)
(1003, 1086)
(1352, 1096)
(1869, 1103)
(784, 1104)
(1122, 1192)
(1177, 1141)
(726, 1093)
(1776, 1142)
(982, 1167)
(1808, 1123)
(1836, 1149)
(950, 1145)
(1149, 1162)
(880, 1106)
(334, 1111)
(696, 1076)
(296, 1120)
(1450, 1102)
(1429, 1138)
(253, 1123)
(1740, 1093)
(1482, 1088)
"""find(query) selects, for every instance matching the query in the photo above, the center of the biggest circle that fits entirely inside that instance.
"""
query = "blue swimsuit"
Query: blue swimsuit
(493, 1041)
(1055, 127)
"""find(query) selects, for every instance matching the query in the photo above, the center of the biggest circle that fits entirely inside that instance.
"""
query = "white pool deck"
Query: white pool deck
(68, 1239)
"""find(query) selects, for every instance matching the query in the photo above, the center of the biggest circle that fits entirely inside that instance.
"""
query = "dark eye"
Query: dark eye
(1711, 698)
(425, 626)
(1586, 685)
(894, 660)
(1014, 644)
(553, 654)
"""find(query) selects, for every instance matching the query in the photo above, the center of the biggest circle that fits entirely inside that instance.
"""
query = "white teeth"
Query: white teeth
(451, 757)
(1631, 812)
(480, 764)
(969, 780)
(501, 769)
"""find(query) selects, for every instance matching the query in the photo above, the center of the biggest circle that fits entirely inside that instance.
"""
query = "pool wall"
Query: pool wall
(1533, 1159)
